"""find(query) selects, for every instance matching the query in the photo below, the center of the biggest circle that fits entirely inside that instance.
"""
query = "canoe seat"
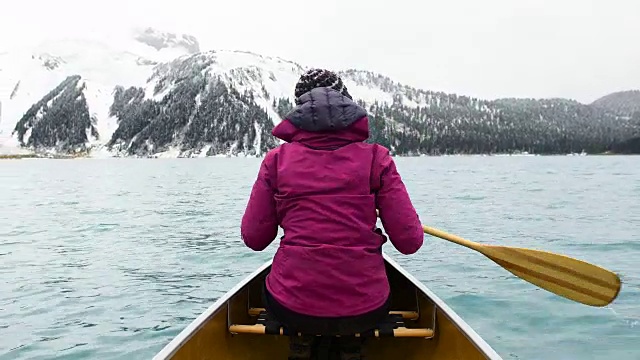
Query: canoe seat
(393, 326)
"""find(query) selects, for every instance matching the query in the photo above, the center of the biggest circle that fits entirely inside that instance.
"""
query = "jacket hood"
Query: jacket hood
(324, 118)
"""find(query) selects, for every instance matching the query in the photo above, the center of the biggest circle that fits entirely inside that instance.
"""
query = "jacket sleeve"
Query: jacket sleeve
(398, 216)
(259, 223)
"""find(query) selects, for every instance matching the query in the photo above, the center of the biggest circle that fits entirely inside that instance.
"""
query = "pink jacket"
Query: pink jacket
(323, 187)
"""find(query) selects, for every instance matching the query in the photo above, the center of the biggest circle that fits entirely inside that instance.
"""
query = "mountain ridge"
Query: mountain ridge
(224, 102)
(625, 102)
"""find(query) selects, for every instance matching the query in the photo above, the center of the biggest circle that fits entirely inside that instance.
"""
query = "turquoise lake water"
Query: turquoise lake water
(110, 259)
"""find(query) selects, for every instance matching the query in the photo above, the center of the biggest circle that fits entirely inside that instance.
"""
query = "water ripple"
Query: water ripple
(98, 254)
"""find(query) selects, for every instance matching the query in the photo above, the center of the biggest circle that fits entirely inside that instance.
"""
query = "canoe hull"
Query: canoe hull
(208, 336)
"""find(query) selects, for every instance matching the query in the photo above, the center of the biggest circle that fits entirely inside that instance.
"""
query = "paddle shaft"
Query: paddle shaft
(570, 278)
(453, 238)
(443, 235)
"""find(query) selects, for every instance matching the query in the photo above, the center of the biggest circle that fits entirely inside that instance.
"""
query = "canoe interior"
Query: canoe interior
(213, 340)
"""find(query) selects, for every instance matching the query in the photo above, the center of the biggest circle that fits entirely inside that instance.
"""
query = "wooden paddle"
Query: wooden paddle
(570, 278)
(573, 279)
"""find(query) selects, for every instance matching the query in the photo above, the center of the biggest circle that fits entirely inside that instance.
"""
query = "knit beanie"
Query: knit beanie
(314, 78)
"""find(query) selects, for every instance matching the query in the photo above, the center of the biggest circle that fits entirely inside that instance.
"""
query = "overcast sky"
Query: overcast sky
(581, 49)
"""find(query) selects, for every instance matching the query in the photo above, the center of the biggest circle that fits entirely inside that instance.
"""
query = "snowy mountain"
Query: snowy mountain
(622, 102)
(26, 77)
(151, 93)
(225, 102)
(625, 104)
(163, 40)
(130, 84)
(60, 120)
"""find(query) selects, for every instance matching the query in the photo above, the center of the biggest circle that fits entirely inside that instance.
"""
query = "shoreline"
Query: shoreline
(40, 156)
(88, 156)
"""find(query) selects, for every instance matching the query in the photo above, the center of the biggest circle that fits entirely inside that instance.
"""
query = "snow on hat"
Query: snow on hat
(314, 78)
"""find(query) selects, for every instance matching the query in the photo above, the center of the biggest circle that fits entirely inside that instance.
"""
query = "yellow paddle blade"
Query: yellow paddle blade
(573, 279)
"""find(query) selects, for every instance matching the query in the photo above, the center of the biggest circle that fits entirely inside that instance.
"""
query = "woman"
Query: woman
(323, 186)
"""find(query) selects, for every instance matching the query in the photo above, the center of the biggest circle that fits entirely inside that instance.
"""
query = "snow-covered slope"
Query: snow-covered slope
(61, 121)
(150, 93)
(27, 76)
(266, 77)
(223, 98)
(154, 60)
(270, 78)
(621, 102)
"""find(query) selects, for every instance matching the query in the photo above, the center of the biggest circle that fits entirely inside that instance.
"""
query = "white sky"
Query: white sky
(580, 49)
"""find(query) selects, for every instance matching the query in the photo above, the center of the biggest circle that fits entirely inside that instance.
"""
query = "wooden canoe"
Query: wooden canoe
(428, 328)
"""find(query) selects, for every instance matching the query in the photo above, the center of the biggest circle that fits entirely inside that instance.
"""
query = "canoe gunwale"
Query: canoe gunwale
(190, 330)
(457, 321)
